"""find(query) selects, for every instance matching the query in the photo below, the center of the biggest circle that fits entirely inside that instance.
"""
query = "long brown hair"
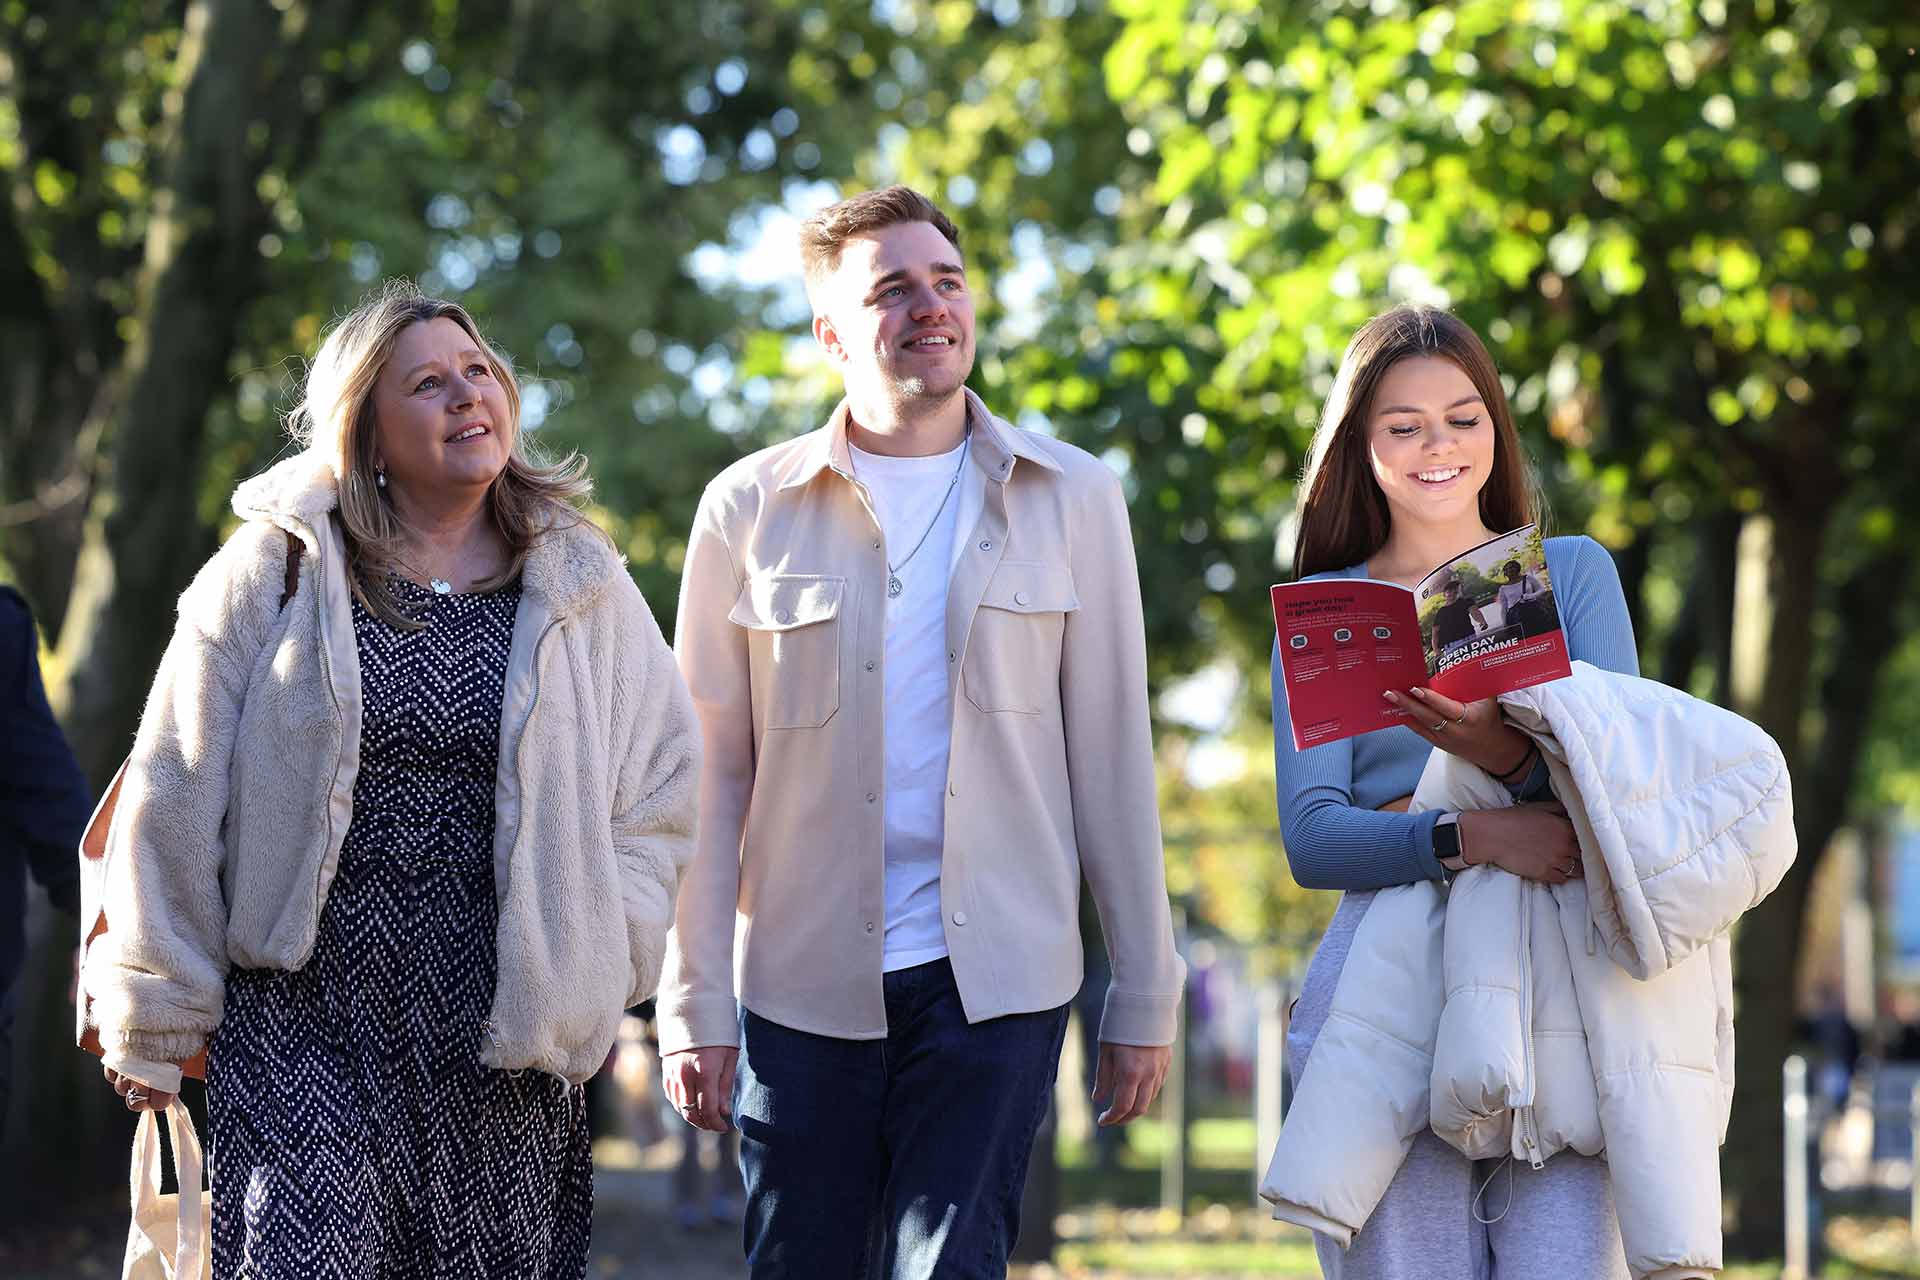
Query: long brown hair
(1343, 515)
(528, 498)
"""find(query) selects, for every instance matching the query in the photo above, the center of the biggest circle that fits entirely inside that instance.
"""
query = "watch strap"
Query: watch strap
(1447, 846)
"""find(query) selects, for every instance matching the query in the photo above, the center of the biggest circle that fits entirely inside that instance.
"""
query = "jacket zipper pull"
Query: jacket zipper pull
(1528, 1141)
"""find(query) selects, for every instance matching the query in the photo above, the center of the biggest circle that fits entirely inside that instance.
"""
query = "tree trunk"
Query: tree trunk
(58, 324)
(1632, 562)
(45, 475)
(1766, 964)
(43, 404)
(202, 264)
(1704, 629)
(254, 81)
(1769, 942)
(63, 1150)
(1775, 598)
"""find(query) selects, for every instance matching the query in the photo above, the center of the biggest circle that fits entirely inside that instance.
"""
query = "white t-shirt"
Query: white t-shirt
(919, 709)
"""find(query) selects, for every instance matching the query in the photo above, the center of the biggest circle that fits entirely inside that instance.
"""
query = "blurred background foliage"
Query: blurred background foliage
(1686, 230)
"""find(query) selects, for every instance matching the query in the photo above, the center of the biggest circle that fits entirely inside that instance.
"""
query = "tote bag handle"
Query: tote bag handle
(163, 1245)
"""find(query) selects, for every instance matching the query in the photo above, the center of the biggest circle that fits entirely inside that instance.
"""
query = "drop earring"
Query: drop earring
(380, 476)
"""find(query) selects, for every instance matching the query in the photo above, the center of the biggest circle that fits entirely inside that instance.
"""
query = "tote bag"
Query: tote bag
(171, 1237)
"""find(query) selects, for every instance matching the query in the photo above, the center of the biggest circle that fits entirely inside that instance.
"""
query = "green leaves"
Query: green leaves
(1675, 227)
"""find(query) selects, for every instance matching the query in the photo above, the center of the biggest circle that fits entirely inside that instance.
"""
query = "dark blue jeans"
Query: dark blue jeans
(894, 1159)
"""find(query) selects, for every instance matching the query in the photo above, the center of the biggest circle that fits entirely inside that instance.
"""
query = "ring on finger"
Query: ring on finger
(1438, 727)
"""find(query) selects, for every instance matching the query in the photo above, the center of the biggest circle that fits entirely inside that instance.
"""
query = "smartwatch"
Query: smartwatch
(1449, 847)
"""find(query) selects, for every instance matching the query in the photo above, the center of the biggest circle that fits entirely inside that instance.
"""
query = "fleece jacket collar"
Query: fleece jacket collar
(568, 568)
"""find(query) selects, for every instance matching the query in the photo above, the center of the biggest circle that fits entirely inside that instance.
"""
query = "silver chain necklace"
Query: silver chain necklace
(441, 586)
(894, 585)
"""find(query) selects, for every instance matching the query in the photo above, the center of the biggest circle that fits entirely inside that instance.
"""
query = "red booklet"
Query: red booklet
(1483, 624)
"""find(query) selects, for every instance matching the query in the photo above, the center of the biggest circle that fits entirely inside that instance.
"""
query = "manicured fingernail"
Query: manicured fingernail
(1389, 695)
(1418, 692)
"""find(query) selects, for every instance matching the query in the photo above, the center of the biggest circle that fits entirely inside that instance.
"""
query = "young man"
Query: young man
(1456, 621)
(915, 643)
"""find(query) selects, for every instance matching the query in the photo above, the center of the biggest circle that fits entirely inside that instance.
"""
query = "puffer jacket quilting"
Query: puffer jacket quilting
(1597, 1015)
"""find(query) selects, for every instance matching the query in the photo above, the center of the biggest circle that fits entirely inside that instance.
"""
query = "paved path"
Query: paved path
(634, 1236)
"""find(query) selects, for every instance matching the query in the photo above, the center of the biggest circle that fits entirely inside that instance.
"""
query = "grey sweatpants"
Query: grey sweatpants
(1559, 1224)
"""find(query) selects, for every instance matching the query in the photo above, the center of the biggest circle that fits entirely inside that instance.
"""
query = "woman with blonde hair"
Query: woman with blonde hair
(398, 852)
(1415, 462)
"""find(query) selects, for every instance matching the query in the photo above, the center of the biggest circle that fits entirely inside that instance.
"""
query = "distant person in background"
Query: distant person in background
(1458, 620)
(1524, 602)
(1516, 587)
(44, 803)
(400, 852)
(1839, 1043)
(701, 1196)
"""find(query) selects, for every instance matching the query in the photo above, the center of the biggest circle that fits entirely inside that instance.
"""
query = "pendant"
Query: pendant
(894, 585)
(441, 586)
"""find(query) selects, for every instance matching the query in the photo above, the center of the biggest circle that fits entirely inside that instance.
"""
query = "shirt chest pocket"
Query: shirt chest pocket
(792, 623)
(1013, 653)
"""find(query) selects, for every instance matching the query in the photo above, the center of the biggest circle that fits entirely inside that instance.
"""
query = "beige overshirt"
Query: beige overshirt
(1050, 773)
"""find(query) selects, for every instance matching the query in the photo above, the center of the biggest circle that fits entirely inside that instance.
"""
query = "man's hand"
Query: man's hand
(137, 1096)
(699, 1084)
(1129, 1079)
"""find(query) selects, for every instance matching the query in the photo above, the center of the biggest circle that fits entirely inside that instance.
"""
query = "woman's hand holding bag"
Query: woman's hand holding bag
(171, 1236)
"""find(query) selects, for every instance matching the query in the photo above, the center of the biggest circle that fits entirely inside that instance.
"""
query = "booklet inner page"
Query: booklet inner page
(1488, 619)
(1343, 643)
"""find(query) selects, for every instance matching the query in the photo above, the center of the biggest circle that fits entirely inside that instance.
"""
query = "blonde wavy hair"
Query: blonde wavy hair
(335, 417)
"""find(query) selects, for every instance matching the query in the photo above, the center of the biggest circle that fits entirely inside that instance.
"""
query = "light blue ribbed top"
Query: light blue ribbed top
(1329, 795)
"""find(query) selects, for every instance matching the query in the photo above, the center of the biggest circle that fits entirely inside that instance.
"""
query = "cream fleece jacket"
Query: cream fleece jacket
(239, 791)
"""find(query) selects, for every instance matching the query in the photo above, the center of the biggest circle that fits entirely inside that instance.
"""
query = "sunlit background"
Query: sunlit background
(1687, 232)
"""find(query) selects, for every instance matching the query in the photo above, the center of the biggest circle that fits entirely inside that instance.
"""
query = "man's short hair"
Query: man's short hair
(824, 236)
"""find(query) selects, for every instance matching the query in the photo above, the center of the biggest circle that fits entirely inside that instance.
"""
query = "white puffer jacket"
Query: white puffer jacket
(1516, 1018)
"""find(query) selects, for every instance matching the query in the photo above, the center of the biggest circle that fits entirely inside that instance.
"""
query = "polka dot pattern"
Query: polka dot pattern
(354, 1132)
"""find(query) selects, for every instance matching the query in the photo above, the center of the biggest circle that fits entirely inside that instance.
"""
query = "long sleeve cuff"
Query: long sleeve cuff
(161, 1076)
(698, 1022)
(1140, 1019)
(1423, 845)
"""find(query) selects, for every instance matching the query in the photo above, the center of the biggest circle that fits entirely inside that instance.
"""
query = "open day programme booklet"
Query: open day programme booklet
(1483, 624)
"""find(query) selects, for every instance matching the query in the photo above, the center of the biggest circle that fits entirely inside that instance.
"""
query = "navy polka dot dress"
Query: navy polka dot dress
(354, 1132)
